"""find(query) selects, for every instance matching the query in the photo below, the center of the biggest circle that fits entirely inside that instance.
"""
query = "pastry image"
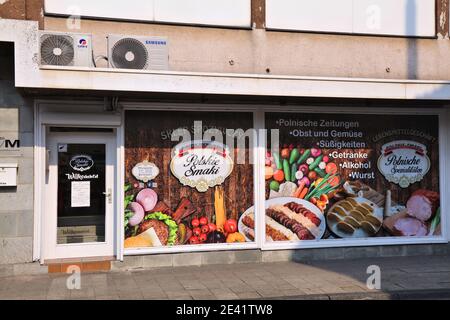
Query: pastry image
(355, 217)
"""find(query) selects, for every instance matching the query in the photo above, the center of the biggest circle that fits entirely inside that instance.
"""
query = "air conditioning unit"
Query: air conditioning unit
(66, 49)
(148, 53)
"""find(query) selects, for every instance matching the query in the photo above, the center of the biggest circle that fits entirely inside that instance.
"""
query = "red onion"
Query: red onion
(147, 198)
(138, 214)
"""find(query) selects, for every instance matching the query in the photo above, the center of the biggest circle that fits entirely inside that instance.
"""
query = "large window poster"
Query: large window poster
(190, 191)
(351, 176)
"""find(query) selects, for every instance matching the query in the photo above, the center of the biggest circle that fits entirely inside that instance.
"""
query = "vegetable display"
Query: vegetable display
(312, 171)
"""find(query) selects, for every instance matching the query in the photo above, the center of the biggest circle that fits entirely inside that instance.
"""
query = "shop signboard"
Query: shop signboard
(201, 164)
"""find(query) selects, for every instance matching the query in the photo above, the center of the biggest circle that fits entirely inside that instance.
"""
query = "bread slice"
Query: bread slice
(345, 227)
(373, 220)
(352, 221)
(332, 216)
(357, 215)
(369, 228)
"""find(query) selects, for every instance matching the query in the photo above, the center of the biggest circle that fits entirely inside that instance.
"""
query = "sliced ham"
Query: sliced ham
(410, 227)
(422, 204)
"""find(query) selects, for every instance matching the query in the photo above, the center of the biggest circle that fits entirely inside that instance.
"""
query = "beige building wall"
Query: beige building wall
(259, 51)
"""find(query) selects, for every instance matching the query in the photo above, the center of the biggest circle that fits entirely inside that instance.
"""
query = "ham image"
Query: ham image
(422, 204)
(410, 227)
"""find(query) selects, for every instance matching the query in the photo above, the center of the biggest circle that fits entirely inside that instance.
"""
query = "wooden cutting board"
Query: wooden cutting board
(370, 194)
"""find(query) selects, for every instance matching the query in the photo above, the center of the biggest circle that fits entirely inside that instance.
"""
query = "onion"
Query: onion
(147, 198)
(138, 214)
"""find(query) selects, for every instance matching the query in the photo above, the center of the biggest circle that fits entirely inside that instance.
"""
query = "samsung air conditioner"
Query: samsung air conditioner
(147, 53)
(65, 49)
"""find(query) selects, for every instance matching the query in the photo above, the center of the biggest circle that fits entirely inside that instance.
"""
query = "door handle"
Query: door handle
(108, 195)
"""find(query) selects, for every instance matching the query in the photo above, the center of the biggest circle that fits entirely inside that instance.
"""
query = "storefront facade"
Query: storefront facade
(166, 191)
(225, 162)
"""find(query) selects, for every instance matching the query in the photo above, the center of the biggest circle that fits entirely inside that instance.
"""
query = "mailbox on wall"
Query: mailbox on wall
(8, 174)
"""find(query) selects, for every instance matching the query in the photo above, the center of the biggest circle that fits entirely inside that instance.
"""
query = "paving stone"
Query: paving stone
(331, 280)
(213, 284)
(202, 294)
(192, 285)
(224, 294)
(248, 295)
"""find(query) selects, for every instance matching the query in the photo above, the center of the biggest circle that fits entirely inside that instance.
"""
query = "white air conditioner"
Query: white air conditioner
(65, 49)
(129, 52)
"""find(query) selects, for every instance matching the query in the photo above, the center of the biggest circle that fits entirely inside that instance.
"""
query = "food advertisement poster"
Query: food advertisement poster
(188, 191)
(351, 176)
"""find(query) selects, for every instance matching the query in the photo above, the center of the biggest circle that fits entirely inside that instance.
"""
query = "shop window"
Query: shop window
(189, 177)
(351, 176)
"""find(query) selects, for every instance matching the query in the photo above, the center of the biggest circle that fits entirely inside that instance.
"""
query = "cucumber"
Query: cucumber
(320, 172)
(294, 168)
(294, 156)
(304, 156)
(276, 158)
(287, 170)
(316, 162)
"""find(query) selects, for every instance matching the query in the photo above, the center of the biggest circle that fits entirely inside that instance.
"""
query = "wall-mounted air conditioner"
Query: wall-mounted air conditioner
(65, 49)
(129, 52)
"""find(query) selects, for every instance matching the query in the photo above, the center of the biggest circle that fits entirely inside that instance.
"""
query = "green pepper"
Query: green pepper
(316, 162)
(293, 171)
(276, 158)
(287, 170)
(320, 172)
(274, 185)
(294, 156)
(304, 156)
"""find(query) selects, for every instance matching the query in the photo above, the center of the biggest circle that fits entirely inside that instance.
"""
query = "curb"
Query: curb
(427, 294)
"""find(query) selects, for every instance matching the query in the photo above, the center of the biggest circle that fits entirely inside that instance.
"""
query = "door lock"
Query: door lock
(108, 195)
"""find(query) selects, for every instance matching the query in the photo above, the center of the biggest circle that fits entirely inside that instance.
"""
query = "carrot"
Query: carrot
(303, 193)
(299, 189)
(219, 207)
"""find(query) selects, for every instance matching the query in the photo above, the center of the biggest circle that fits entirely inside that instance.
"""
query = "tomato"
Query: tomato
(230, 226)
(334, 181)
(203, 221)
(279, 175)
(197, 231)
(195, 222)
(194, 240)
(331, 168)
(212, 227)
(205, 228)
(203, 237)
(285, 153)
(312, 175)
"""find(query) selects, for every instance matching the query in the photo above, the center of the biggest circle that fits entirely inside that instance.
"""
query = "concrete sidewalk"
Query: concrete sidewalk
(402, 277)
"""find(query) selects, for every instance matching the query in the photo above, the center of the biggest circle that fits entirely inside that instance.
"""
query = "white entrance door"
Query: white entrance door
(78, 218)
